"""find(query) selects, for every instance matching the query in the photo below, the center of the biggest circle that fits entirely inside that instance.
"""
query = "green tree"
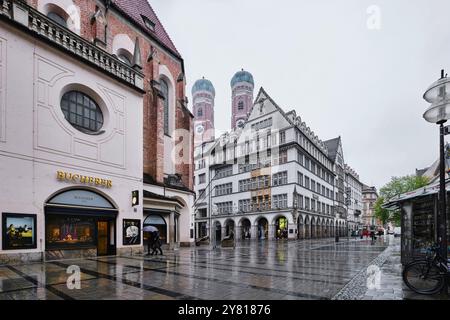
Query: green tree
(381, 213)
(399, 185)
(395, 187)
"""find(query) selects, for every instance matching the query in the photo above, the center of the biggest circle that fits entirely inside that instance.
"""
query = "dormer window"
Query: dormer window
(148, 23)
(57, 18)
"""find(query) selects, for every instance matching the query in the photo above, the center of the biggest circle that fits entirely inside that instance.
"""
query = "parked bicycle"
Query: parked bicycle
(427, 275)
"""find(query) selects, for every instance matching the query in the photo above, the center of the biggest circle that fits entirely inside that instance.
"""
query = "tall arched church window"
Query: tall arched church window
(200, 112)
(241, 105)
(165, 93)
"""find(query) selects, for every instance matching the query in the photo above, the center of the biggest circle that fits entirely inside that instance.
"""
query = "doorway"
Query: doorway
(218, 233)
(105, 237)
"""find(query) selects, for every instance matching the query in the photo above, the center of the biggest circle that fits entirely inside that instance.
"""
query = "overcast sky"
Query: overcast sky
(342, 69)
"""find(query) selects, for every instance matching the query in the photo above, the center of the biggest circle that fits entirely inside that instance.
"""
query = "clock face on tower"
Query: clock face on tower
(240, 123)
(199, 129)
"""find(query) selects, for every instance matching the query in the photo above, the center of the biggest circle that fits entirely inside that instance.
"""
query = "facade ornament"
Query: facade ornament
(137, 60)
(295, 205)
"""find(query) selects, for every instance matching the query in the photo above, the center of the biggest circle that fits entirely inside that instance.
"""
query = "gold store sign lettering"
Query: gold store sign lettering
(78, 178)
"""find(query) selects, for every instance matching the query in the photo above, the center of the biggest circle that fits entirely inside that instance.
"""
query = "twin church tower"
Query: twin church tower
(203, 94)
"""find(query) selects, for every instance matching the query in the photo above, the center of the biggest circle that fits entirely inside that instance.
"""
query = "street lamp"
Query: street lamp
(438, 94)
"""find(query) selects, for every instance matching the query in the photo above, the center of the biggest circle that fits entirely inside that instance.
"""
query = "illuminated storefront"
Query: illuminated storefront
(80, 220)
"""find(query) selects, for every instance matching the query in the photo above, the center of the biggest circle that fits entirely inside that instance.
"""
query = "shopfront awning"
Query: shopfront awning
(157, 197)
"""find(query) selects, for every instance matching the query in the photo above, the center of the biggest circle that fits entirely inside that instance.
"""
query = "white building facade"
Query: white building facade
(272, 178)
(70, 146)
(353, 189)
(369, 197)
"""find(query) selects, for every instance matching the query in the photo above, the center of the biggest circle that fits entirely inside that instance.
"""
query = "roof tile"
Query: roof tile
(135, 9)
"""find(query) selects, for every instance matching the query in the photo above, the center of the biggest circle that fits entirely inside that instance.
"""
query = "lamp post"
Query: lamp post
(295, 210)
(438, 94)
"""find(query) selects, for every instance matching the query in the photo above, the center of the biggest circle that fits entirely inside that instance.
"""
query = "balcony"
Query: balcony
(19, 14)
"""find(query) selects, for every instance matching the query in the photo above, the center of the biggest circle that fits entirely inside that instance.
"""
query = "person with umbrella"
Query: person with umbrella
(151, 239)
(154, 241)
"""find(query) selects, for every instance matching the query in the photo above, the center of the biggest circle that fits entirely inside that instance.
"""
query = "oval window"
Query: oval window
(82, 112)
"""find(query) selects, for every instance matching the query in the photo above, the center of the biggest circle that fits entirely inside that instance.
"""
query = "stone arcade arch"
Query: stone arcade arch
(244, 228)
(319, 228)
(281, 227)
(307, 228)
(229, 227)
(262, 228)
(313, 228)
(217, 232)
(300, 226)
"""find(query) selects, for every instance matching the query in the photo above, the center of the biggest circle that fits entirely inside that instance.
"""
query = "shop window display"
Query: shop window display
(19, 231)
(70, 231)
(423, 226)
(281, 226)
(131, 232)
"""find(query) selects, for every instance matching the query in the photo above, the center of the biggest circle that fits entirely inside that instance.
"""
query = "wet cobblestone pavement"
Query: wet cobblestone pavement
(307, 269)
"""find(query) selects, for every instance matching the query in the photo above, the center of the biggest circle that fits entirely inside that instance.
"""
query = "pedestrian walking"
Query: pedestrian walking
(156, 244)
(150, 243)
(150, 230)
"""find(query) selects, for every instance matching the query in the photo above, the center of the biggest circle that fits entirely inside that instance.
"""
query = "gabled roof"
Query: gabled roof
(333, 146)
(420, 172)
(262, 94)
(135, 9)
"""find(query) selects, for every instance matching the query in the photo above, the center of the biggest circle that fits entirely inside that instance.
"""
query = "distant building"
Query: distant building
(203, 95)
(242, 86)
(369, 197)
(336, 154)
(353, 198)
(269, 178)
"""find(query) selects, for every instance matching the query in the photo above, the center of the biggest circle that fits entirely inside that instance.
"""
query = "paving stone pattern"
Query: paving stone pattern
(289, 270)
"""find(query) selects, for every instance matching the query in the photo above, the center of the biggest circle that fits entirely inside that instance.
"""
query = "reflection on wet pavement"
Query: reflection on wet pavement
(307, 269)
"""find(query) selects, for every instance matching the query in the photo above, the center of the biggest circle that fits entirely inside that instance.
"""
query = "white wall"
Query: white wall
(36, 140)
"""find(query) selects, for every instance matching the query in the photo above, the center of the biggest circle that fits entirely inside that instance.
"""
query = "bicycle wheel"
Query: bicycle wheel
(423, 277)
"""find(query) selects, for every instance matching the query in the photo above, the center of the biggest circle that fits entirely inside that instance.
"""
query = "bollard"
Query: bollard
(336, 238)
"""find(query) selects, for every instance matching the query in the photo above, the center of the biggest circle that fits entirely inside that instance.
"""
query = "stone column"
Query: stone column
(271, 232)
(292, 235)
(178, 231)
(172, 230)
(238, 233)
(254, 232)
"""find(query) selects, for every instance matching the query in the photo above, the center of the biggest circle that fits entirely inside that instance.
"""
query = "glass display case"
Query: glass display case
(423, 225)
(64, 231)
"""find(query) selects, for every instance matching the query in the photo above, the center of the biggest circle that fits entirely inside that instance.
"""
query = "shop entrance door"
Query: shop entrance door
(102, 238)
(105, 237)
